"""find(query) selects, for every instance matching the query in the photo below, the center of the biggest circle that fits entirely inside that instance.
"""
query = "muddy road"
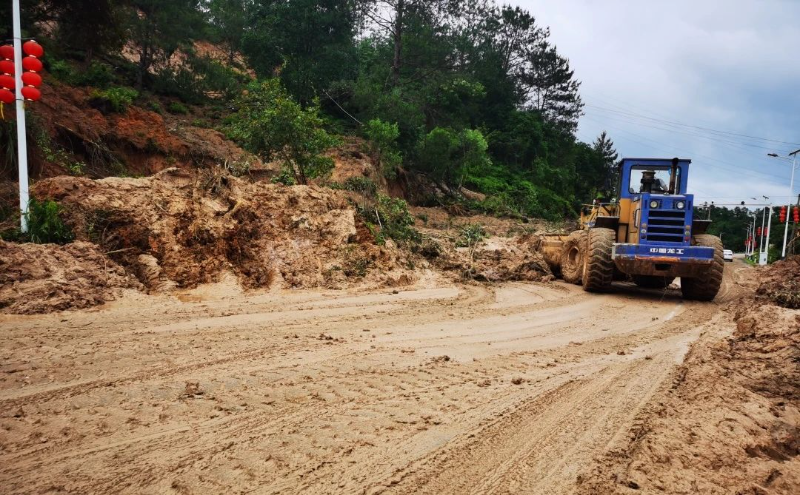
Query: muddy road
(510, 388)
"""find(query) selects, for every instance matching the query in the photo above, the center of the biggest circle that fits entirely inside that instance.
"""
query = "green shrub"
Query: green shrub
(62, 71)
(45, 225)
(392, 219)
(470, 235)
(177, 108)
(274, 126)
(450, 156)
(285, 177)
(382, 146)
(98, 74)
(361, 185)
(155, 106)
(115, 100)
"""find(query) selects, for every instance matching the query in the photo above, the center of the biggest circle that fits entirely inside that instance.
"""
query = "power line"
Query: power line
(697, 127)
(715, 138)
(668, 148)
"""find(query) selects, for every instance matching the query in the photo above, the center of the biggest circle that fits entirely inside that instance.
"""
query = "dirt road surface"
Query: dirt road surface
(509, 388)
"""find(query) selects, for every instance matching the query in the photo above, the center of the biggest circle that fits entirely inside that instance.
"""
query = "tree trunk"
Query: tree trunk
(398, 41)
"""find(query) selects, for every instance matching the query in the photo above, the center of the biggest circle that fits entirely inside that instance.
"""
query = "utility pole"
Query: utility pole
(791, 193)
(22, 142)
(765, 257)
(761, 237)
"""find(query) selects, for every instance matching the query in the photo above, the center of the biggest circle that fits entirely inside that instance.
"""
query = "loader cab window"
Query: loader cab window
(660, 180)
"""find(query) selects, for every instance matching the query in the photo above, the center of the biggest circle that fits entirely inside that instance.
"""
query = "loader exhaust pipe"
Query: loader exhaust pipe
(673, 176)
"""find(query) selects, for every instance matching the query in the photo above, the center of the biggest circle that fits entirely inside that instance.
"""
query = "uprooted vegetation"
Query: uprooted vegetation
(186, 229)
(181, 228)
(780, 283)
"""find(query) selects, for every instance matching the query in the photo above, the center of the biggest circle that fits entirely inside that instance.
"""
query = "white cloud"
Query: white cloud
(724, 65)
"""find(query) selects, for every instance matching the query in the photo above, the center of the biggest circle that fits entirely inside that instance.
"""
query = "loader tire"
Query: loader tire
(598, 265)
(572, 257)
(706, 286)
(652, 282)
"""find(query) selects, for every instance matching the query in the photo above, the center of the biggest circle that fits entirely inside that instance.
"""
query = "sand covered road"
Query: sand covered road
(508, 388)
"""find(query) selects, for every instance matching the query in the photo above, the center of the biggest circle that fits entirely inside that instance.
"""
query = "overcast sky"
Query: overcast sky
(729, 68)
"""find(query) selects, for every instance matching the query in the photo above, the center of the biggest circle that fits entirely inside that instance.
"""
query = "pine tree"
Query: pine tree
(604, 147)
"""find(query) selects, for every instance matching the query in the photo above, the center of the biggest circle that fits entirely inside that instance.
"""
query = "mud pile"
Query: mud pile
(495, 259)
(43, 278)
(780, 283)
(730, 424)
(183, 228)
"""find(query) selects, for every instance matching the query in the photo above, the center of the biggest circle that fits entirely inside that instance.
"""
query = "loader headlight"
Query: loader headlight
(654, 204)
(680, 205)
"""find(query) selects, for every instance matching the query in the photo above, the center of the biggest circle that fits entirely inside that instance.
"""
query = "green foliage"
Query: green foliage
(271, 124)
(470, 235)
(97, 75)
(285, 177)
(393, 219)
(155, 106)
(361, 185)
(449, 156)
(45, 225)
(382, 139)
(114, 99)
(309, 43)
(197, 80)
(177, 108)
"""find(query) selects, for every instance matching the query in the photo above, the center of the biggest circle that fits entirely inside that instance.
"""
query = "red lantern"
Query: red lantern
(7, 67)
(32, 64)
(33, 49)
(758, 231)
(7, 51)
(7, 82)
(31, 79)
(7, 96)
(31, 94)
(783, 214)
(796, 214)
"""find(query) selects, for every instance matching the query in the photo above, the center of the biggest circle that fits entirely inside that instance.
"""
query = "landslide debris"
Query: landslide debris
(780, 283)
(183, 228)
(41, 278)
(730, 423)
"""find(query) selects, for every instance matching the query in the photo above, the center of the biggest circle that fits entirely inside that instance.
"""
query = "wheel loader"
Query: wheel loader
(648, 235)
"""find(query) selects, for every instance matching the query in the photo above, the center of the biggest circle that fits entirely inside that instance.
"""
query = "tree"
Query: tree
(158, 28)
(550, 86)
(307, 43)
(449, 156)
(604, 147)
(382, 138)
(228, 20)
(274, 126)
(72, 18)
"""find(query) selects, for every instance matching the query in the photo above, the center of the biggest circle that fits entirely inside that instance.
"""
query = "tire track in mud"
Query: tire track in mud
(359, 412)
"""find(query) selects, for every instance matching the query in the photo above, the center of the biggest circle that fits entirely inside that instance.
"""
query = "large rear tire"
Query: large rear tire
(652, 282)
(706, 286)
(598, 264)
(572, 257)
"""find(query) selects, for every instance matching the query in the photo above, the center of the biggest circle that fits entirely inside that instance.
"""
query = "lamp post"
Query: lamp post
(791, 194)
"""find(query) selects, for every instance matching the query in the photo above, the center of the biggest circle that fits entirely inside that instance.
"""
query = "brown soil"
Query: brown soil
(432, 388)
(729, 422)
(780, 283)
(43, 278)
(186, 228)
(137, 142)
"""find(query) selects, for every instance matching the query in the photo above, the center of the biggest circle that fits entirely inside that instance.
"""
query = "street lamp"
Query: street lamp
(791, 194)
